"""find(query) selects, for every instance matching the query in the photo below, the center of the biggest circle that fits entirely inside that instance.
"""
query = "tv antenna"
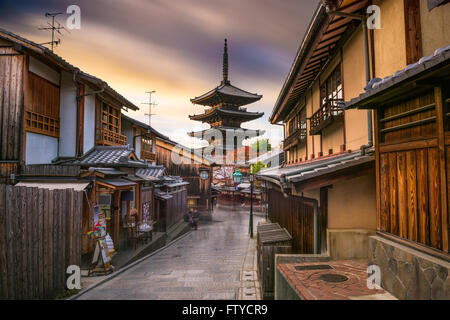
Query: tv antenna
(55, 26)
(150, 105)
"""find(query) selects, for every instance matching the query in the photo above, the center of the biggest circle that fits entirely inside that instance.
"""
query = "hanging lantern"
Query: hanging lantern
(237, 176)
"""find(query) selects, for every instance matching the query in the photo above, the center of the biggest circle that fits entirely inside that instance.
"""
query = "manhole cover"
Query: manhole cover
(313, 267)
(333, 277)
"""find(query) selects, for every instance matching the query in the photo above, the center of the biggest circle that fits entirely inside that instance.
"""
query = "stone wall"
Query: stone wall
(408, 273)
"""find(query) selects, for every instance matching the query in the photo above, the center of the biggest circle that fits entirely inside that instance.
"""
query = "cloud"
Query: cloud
(175, 47)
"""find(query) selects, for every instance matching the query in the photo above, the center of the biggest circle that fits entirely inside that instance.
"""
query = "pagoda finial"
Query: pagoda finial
(225, 62)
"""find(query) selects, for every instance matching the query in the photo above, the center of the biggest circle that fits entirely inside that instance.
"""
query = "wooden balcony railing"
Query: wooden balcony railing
(147, 155)
(298, 137)
(109, 138)
(328, 113)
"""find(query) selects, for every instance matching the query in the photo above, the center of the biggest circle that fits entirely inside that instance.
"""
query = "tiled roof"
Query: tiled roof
(224, 112)
(109, 156)
(225, 91)
(316, 168)
(146, 126)
(47, 52)
(377, 85)
(108, 171)
(153, 173)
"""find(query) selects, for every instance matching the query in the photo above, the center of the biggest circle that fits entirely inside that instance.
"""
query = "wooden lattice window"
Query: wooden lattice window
(147, 144)
(110, 117)
(109, 125)
(331, 90)
(41, 124)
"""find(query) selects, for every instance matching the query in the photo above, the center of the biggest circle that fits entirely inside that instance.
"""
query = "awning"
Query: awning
(77, 186)
(163, 195)
(116, 183)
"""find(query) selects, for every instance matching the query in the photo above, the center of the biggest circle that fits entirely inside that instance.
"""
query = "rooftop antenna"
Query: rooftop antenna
(150, 105)
(55, 26)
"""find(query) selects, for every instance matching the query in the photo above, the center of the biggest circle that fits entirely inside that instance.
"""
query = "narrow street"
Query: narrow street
(217, 261)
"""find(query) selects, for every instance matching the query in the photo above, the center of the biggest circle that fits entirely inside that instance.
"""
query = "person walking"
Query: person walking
(195, 218)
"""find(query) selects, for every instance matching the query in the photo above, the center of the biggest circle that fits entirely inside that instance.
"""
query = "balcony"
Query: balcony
(147, 155)
(326, 115)
(106, 137)
(298, 137)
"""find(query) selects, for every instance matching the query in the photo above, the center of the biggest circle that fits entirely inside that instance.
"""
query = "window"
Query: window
(110, 118)
(147, 144)
(108, 125)
(331, 90)
(42, 106)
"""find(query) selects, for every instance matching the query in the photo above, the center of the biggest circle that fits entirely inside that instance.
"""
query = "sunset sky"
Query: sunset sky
(175, 47)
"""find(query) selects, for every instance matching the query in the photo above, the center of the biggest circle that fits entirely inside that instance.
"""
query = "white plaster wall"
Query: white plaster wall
(68, 116)
(36, 144)
(44, 71)
(138, 147)
(89, 121)
(127, 130)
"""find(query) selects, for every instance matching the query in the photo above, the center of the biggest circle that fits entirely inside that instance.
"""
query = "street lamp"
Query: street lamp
(237, 176)
(252, 176)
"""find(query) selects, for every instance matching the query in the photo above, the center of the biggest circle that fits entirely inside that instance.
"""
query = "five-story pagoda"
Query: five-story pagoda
(225, 115)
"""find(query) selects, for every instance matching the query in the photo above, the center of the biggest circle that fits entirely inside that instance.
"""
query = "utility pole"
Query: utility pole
(54, 28)
(150, 105)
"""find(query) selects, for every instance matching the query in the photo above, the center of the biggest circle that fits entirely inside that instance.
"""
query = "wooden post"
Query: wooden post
(116, 219)
(323, 221)
(440, 119)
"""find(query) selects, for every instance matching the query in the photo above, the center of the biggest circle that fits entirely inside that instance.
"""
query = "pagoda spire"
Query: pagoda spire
(225, 63)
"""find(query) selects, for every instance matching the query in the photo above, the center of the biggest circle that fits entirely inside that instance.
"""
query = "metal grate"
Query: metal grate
(333, 277)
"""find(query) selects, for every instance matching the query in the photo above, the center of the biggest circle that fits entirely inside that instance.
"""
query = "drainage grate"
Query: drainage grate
(333, 277)
(313, 267)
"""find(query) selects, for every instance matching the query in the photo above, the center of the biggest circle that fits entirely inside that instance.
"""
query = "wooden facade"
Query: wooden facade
(40, 237)
(198, 191)
(171, 209)
(12, 65)
(412, 157)
(296, 215)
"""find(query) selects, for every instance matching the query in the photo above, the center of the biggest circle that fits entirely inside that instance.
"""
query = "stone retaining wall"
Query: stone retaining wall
(408, 273)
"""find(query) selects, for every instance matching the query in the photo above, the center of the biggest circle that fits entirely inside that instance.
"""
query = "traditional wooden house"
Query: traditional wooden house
(412, 109)
(65, 128)
(193, 168)
(325, 193)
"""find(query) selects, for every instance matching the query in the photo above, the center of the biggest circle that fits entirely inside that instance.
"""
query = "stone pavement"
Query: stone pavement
(217, 261)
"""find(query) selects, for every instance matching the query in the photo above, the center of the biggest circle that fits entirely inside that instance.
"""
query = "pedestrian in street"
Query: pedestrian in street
(195, 218)
(190, 217)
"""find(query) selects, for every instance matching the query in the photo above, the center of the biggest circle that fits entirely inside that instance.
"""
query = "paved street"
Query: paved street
(217, 261)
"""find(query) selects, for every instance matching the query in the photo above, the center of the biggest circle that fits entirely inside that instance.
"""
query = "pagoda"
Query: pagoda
(225, 115)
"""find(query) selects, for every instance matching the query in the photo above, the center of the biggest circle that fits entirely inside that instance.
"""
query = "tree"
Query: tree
(262, 145)
(257, 167)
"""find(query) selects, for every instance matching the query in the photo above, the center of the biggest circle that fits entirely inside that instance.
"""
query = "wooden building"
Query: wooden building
(225, 116)
(412, 109)
(326, 192)
(193, 168)
(55, 117)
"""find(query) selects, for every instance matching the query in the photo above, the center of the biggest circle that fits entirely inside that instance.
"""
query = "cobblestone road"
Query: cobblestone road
(217, 261)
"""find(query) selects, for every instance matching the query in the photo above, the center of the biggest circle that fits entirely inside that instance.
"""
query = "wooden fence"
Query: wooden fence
(297, 216)
(40, 235)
